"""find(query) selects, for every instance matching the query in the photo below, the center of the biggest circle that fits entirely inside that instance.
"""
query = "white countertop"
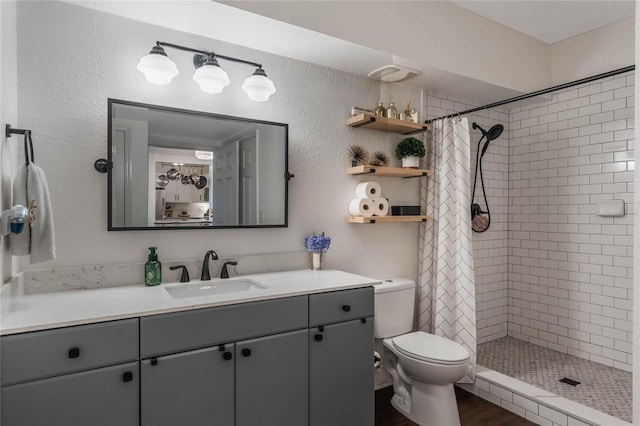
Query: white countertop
(66, 308)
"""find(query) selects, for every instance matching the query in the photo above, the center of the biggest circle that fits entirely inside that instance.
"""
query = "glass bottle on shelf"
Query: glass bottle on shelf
(392, 111)
(380, 110)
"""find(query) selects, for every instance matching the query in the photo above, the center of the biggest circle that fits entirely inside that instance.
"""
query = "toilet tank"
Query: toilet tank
(394, 306)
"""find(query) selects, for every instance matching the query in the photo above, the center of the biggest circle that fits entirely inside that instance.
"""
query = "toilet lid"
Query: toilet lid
(431, 348)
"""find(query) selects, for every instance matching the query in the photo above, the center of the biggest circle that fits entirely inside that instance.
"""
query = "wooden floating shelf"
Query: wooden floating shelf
(388, 171)
(387, 219)
(387, 124)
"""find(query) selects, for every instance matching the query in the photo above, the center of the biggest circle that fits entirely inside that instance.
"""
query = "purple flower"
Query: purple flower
(317, 243)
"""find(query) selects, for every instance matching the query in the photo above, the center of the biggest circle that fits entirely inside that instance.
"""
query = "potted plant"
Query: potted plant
(410, 151)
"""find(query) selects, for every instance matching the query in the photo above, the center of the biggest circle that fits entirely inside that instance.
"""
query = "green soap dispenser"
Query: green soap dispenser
(152, 269)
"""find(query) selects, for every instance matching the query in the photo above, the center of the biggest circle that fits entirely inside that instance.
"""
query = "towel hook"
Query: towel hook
(8, 131)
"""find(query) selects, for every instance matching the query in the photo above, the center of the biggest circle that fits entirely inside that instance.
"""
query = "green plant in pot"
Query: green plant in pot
(410, 151)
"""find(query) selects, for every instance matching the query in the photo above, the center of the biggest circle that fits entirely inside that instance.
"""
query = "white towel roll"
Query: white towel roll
(380, 207)
(361, 207)
(368, 190)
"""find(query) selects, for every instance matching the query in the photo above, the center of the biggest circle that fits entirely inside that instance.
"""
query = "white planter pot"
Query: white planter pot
(411, 163)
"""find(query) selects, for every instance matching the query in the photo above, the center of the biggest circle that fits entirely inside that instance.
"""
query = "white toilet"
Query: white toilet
(423, 366)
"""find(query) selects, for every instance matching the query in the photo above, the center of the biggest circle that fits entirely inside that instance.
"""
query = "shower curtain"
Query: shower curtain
(447, 303)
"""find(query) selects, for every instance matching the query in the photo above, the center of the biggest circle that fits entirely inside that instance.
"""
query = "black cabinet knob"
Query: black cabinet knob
(74, 353)
(127, 376)
(318, 337)
(227, 356)
(246, 352)
(346, 308)
(154, 361)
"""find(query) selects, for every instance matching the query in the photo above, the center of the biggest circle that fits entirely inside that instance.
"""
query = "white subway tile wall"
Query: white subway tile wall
(549, 270)
(570, 271)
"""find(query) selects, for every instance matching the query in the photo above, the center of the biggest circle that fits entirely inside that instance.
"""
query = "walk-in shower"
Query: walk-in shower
(553, 278)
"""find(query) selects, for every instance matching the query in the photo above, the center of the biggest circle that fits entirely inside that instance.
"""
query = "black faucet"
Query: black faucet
(205, 265)
(184, 277)
(225, 273)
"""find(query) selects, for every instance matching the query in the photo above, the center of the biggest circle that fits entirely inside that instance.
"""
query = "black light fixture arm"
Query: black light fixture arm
(206, 54)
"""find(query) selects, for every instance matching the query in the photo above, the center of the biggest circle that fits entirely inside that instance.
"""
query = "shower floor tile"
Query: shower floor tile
(603, 388)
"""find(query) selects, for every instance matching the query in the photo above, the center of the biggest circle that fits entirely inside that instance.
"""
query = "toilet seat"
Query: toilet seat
(431, 348)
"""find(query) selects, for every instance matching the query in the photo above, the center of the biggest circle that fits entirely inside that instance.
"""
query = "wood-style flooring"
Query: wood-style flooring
(474, 411)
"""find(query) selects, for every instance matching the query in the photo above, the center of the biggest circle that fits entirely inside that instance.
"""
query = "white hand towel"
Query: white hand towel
(42, 233)
(20, 242)
(38, 238)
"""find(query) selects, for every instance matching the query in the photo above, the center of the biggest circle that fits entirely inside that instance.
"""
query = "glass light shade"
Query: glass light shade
(157, 67)
(258, 87)
(210, 77)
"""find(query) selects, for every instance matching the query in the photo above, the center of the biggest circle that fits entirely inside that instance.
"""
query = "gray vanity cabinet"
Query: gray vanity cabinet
(294, 361)
(102, 397)
(74, 376)
(259, 378)
(272, 380)
(341, 358)
(194, 388)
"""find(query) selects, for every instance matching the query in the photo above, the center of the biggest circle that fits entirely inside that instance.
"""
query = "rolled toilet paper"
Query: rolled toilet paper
(361, 207)
(380, 207)
(368, 190)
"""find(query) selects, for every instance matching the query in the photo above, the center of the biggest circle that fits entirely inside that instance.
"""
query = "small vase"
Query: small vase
(410, 163)
(316, 260)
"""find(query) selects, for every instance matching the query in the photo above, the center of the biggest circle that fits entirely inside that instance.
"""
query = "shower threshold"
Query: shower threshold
(535, 404)
(549, 387)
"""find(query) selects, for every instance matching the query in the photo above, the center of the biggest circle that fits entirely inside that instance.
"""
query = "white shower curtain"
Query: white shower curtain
(447, 305)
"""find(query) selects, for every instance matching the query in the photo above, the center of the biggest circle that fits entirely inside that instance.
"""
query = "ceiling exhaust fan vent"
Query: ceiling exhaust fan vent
(393, 73)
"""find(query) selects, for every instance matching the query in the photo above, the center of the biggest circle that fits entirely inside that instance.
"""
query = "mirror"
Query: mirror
(180, 169)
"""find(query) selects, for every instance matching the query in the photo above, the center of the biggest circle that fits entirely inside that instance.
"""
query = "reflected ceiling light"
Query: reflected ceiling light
(159, 69)
(204, 155)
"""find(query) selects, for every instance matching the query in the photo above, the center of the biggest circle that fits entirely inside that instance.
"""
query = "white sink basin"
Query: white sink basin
(211, 288)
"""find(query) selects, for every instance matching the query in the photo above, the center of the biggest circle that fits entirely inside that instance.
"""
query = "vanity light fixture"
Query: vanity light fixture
(159, 69)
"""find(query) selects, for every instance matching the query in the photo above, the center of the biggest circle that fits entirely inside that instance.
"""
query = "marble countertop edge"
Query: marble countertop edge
(77, 307)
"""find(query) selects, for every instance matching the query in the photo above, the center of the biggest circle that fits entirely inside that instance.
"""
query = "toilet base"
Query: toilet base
(430, 405)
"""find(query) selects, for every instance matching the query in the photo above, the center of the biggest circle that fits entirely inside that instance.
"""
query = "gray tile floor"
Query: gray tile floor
(604, 388)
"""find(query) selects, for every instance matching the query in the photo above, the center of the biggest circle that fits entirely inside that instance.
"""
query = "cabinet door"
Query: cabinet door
(272, 380)
(183, 192)
(176, 192)
(341, 374)
(193, 388)
(102, 397)
(197, 195)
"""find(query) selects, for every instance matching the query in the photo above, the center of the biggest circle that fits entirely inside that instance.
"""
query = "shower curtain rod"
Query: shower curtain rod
(538, 93)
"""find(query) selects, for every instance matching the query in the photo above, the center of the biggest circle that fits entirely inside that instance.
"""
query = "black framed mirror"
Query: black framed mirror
(179, 169)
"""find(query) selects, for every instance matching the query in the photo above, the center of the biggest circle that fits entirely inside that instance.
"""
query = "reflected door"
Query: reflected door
(225, 184)
(248, 182)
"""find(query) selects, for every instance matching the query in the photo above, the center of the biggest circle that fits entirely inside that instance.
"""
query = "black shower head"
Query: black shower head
(493, 133)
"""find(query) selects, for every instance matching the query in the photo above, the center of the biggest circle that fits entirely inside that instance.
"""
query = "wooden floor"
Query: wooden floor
(474, 411)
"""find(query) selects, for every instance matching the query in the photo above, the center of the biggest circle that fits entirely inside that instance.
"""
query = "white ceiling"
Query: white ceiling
(551, 21)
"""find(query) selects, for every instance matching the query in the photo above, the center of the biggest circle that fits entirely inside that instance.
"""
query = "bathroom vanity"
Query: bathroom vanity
(298, 352)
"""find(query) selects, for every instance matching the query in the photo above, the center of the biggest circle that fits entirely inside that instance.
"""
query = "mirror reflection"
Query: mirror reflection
(175, 168)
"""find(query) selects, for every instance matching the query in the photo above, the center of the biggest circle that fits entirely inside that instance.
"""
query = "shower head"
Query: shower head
(493, 133)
